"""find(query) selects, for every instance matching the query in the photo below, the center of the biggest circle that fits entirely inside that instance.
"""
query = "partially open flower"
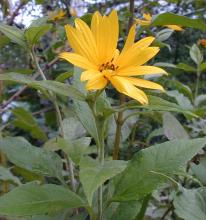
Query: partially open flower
(148, 20)
(202, 42)
(56, 15)
(95, 51)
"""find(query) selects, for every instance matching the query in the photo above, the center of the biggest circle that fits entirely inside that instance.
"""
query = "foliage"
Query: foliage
(69, 153)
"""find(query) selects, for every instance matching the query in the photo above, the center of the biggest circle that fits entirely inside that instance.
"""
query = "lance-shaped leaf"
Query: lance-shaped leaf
(173, 19)
(15, 34)
(33, 34)
(56, 87)
(93, 174)
(33, 199)
(37, 160)
(190, 204)
(146, 171)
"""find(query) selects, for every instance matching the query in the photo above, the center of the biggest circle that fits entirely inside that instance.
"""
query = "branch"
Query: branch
(15, 13)
(19, 92)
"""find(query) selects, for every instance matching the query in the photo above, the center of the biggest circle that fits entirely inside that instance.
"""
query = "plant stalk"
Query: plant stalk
(60, 120)
(119, 121)
(145, 202)
(197, 82)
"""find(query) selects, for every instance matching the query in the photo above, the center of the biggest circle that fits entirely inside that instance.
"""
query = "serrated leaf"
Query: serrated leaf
(139, 178)
(173, 130)
(15, 34)
(33, 199)
(190, 204)
(93, 174)
(170, 18)
(37, 160)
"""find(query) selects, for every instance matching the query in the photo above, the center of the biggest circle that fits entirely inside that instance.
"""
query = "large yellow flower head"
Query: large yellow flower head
(148, 20)
(95, 51)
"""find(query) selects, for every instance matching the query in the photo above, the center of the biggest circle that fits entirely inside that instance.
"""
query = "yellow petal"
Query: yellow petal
(144, 83)
(138, 57)
(143, 22)
(130, 39)
(87, 39)
(147, 16)
(140, 70)
(75, 41)
(89, 74)
(124, 86)
(133, 51)
(78, 60)
(105, 31)
(97, 82)
(174, 27)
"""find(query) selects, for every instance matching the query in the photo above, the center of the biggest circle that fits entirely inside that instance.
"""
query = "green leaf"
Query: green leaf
(14, 34)
(196, 54)
(159, 104)
(164, 34)
(75, 149)
(87, 119)
(4, 40)
(202, 67)
(124, 210)
(93, 174)
(140, 178)
(199, 170)
(186, 67)
(26, 121)
(170, 18)
(62, 77)
(163, 64)
(37, 160)
(33, 199)
(7, 175)
(190, 204)
(73, 129)
(33, 34)
(181, 99)
(172, 128)
(56, 87)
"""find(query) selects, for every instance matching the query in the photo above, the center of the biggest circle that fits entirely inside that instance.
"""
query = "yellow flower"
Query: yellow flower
(202, 42)
(148, 20)
(56, 15)
(95, 51)
(73, 11)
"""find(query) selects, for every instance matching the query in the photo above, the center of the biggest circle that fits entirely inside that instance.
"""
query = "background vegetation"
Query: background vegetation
(178, 114)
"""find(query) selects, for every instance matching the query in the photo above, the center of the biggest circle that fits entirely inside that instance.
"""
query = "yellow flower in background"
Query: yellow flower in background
(202, 42)
(148, 20)
(56, 15)
(95, 51)
(73, 11)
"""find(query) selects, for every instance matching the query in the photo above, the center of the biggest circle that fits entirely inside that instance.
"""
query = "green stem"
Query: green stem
(145, 203)
(197, 82)
(59, 116)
